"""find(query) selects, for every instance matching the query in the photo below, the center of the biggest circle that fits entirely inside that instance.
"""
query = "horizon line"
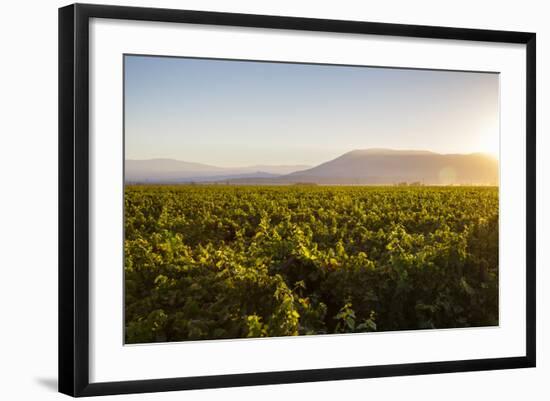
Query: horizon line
(497, 158)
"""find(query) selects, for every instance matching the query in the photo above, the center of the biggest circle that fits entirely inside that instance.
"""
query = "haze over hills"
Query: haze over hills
(174, 171)
(375, 166)
(386, 166)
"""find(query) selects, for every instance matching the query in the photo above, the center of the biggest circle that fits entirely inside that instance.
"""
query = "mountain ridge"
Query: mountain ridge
(390, 166)
(370, 166)
(172, 170)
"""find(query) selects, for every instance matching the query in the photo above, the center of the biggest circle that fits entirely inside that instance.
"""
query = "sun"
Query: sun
(489, 142)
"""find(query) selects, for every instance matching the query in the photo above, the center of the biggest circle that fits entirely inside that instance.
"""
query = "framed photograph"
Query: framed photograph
(251, 199)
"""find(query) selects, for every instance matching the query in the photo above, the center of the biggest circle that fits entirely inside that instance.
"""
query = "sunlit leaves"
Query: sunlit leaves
(205, 262)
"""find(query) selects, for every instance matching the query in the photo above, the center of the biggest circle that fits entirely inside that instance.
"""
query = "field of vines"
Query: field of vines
(218, 262)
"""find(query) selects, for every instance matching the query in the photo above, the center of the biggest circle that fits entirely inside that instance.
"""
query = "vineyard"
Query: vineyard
(216, 262)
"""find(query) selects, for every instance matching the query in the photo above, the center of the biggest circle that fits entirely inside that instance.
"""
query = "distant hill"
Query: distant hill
(387, 166)
(359, 167)
(175, 171)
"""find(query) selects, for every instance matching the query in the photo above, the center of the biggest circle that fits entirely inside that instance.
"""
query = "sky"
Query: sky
(240, 113)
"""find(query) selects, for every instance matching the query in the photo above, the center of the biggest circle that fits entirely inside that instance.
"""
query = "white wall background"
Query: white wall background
(28, 199)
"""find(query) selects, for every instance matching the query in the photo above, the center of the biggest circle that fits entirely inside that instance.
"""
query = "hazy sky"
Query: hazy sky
(238, 113)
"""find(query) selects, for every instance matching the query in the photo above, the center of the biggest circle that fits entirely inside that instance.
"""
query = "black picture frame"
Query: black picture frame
(74, 198)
